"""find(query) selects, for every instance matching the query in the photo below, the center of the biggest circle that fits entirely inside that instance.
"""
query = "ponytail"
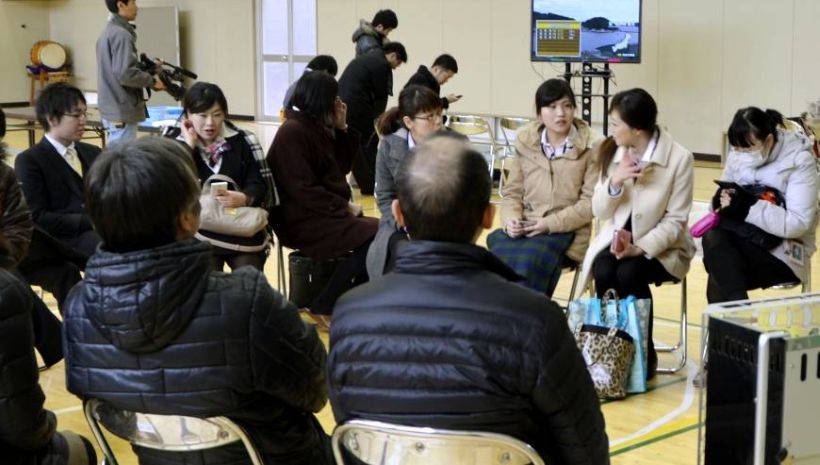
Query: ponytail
(752, 121)
(606, 153)
(389, 122)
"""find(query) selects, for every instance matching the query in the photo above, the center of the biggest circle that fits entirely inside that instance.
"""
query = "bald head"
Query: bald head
(444, 190)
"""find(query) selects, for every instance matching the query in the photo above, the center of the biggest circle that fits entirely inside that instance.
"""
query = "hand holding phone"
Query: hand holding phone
(219, 188)
(621, 239)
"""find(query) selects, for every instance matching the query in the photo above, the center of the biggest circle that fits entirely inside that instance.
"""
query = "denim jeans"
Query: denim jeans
(127, 132)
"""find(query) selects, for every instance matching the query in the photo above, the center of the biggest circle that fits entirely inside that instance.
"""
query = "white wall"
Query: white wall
(21, 25)
(702, 59)
(217, 41)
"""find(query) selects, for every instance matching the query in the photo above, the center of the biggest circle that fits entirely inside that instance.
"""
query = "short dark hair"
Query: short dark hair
(202, 96)
(324, 63)
(386, 19)
(112, 5)
(752, 121)
(443, 190)
(56, 100)
(447, 62)
(397, 48)
(636, 108)
(315, 96)
(136, 190)
(413, 99)
(551, 91)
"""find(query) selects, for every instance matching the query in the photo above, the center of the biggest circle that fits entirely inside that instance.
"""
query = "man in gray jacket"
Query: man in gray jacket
(120, 82)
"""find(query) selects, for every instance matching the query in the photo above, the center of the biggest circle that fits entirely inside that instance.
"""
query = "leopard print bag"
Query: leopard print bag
(608, 354)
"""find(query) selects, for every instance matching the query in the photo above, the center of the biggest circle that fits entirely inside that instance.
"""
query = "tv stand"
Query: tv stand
(587, 73)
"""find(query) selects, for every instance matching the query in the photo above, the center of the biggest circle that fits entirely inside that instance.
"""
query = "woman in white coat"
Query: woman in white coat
(764, 156)
(645, 191)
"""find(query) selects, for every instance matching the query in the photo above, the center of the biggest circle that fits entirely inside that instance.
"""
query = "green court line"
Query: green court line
(655, 439)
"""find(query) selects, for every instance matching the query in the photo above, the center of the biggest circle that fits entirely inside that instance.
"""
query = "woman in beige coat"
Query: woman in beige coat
(645, 189)
(546, 211)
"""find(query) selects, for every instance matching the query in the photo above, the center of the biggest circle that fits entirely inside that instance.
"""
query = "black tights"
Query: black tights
(239, 259)
(735, 266)
(630, 276)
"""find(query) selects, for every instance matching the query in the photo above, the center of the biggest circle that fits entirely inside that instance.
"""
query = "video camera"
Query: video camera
(171, 76)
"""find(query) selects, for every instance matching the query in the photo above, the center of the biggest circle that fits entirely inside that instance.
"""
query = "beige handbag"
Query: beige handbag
(239, 222)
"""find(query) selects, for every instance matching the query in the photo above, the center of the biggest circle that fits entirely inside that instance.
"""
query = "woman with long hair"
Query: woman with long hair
(643, 198)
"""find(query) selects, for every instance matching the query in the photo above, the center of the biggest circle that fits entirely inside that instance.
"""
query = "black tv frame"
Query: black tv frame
(580, 59)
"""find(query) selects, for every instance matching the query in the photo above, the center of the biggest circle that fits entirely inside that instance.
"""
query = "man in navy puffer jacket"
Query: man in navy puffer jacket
(152, 329)
(447, 340)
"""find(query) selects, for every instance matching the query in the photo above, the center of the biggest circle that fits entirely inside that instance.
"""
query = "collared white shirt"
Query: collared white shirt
(226, 132)
(647, 155)
(555, 152)
(411, 144)
(62, 149)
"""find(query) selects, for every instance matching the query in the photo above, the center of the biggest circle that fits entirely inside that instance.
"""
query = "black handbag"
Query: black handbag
(309, 277)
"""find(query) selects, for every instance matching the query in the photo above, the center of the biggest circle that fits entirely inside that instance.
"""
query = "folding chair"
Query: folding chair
(377, 443)
(472, 127)
(509, 129)
(163, 432)
(682, 343)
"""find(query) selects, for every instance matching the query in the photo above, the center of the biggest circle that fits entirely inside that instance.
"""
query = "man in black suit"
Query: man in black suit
(365, 85)
(50, 173)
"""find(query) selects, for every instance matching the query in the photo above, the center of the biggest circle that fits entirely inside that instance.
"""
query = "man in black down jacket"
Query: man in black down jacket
(152, 329)
(447, 340)
(365, 85)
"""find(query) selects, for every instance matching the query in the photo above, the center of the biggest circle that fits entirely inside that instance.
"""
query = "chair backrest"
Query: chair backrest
(377, 443)
(171, 433)
(468, 125)
(509, 127)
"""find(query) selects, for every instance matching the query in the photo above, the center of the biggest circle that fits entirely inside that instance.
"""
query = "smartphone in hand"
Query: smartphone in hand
(621, 239)
(218, 188)
(525, 223)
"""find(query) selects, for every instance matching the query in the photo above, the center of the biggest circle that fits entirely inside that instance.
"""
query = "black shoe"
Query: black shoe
(652, 366)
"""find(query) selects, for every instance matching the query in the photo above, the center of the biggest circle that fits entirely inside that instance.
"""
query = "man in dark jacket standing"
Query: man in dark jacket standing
(444, 67)
(373, 35)
(447, 340)
(152, 329)
(365, 85)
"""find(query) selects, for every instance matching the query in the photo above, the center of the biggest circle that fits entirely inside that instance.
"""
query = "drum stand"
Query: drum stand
(46, 77)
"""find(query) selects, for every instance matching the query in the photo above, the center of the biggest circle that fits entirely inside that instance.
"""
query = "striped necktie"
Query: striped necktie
(74, 160)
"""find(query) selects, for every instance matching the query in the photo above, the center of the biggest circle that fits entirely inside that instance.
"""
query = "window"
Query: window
(286, 31)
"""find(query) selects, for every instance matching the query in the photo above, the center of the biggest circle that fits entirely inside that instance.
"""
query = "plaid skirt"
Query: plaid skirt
(538, 259)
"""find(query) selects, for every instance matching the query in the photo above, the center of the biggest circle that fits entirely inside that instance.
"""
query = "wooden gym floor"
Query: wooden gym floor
(660, 426)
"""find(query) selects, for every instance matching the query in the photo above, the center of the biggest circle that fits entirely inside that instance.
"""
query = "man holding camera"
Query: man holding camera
(120, 81)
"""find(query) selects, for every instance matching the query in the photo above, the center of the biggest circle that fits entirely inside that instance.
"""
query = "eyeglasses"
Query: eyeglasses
(79, 114)
(433, 117)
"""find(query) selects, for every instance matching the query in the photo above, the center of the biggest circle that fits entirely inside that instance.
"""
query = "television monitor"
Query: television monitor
(595, 31)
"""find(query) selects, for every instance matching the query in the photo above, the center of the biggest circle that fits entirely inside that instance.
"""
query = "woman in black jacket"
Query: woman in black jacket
(218, 147)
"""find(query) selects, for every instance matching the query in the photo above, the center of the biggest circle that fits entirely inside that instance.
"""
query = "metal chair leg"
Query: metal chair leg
(281, 278)
(682, 342)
